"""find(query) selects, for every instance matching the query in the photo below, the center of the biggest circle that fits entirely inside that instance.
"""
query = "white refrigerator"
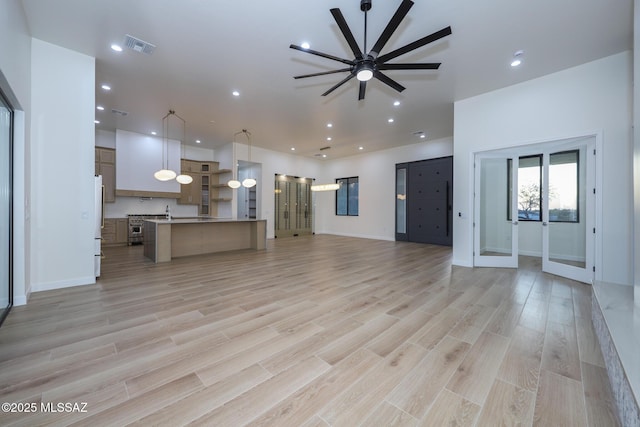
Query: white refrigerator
(99, 224)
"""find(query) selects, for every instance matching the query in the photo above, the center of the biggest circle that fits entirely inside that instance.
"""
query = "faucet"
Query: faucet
(168, 213)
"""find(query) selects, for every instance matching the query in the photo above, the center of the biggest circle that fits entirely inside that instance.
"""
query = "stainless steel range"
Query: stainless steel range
(136, 227)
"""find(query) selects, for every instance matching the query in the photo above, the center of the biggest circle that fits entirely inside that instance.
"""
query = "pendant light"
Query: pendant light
(166, 174)
(247, 182)
(183, 178)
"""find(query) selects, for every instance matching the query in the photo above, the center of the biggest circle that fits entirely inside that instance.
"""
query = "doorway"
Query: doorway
(537, 200)
(293, 206)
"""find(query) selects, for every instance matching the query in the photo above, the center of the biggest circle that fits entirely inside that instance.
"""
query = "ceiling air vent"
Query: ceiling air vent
(119, 112)
(325, 148)
(139, 45)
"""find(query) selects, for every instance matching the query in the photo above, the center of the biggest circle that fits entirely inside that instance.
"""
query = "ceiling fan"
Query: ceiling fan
(366, 66)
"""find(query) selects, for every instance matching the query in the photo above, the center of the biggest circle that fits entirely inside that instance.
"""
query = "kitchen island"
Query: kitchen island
(166, 239)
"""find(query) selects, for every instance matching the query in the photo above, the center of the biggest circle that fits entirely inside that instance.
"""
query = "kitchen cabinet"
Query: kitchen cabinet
(115, 231)
(200, 192)
(105, 165)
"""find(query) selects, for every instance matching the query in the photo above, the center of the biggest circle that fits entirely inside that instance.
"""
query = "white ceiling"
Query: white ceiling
(207, 49)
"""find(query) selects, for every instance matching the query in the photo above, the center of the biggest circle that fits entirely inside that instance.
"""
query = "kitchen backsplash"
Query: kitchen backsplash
(124, 206)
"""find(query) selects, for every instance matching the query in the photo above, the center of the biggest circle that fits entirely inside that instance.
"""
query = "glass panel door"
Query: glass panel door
(6, 279)
(496, 211)
(293, 206)
(401, 202)
(568, 212)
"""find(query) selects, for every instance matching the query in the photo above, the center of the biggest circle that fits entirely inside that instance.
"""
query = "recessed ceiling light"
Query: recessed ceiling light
(328, 138)
(293, 148)
(324, 155)
(517, 58)
(154, 132)
(106, 87)
(198, 141)
(235, 93)
(96, 122)
(329, 125)
(423, 136)
(116, 47)
(100, 107)
(390, 120)
(396, 103)
(305, 45)
(361, 148)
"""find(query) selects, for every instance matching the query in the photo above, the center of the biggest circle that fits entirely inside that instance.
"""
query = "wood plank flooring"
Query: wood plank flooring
(314, 331)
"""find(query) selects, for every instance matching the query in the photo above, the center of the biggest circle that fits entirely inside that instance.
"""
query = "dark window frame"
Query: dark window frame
(510, 187)
(577, 220)
(344, 187)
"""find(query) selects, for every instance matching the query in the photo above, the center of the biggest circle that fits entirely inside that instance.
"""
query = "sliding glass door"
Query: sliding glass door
(6, 226)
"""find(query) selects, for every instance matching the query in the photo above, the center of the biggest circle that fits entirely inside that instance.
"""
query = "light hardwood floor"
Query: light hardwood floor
(314, 331)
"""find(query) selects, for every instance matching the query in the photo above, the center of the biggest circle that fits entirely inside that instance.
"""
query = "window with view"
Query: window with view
(347, 196)
(563, 187)
(529, 185)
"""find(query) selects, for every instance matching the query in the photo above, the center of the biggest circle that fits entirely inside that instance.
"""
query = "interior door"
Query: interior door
(429, 188)
(496, 211)
(293, 206)
(568, 211)
(6, 227)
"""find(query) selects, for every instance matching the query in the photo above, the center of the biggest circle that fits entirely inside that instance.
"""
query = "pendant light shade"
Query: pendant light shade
(249, 182)
(184, 179)
(164, 175)
(234, 183)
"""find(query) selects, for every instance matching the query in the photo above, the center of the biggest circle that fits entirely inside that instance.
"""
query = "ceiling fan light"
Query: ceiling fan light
(184, 179)
(164, 175)
(365, 74)
(234, 183)
(249, 182)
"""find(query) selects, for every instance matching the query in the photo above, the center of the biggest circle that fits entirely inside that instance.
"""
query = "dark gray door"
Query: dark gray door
(429, 200)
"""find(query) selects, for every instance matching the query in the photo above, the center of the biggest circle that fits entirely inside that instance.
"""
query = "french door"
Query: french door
(556, 196)
(496, 212)
(568, 219)
(6, 196)
(293, 206)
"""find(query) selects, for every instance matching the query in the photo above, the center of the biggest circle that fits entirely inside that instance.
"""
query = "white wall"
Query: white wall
(636, 150)
(15, 82)
(377, 180)
(139, 156)
(591, 98)
(62, 164)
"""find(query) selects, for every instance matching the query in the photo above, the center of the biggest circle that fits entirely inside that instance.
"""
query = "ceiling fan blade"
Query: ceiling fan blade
(346, 32)
(349, 77)
(418, 66)
(342, 70)
(363, 88)
(388, 81)
(393, 24)
(324, 55)
(416, 44)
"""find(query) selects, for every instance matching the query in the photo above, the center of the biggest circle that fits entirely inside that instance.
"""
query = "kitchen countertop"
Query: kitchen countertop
(199, 220)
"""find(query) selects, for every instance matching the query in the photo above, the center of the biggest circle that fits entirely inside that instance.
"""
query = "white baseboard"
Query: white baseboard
(60, 284)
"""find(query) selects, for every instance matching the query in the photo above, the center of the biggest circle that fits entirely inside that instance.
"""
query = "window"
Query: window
(529, 184)
(563, 187)
(347, 196)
